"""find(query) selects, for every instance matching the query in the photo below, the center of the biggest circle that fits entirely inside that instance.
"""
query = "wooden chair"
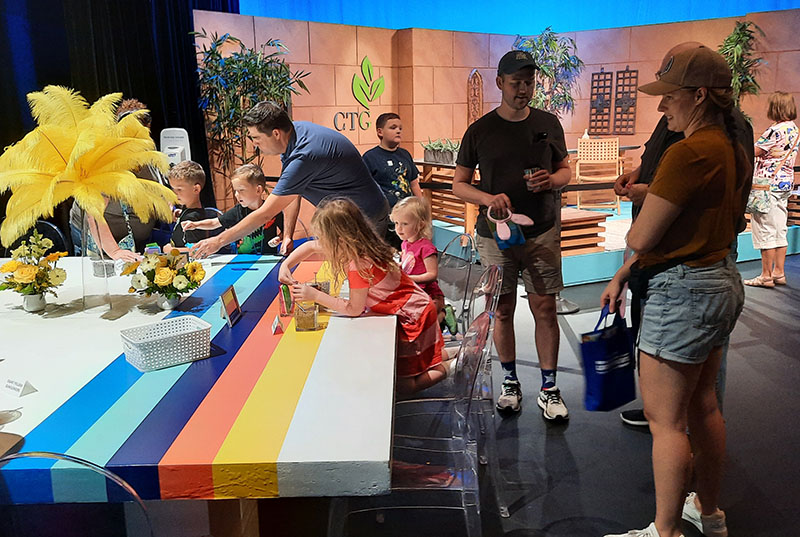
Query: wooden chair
(598, 161)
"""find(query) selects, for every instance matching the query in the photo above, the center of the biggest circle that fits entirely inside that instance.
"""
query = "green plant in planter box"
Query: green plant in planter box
(441, 150)
(558, 70)
(231, 84)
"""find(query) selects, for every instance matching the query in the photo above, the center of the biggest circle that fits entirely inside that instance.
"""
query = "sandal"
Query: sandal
(760, 281)
(779, 280)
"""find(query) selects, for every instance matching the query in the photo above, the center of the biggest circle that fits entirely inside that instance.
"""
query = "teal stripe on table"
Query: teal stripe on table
(108, 433)
(28, 480)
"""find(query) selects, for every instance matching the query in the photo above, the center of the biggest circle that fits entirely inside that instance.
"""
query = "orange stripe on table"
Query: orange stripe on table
(185, 470)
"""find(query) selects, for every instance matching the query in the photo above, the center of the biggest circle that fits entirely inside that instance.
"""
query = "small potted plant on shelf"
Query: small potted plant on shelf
(32, 272)
(441, 150)
(165, 275)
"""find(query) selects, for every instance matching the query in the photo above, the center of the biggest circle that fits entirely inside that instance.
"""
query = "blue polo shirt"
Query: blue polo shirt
(320, 162)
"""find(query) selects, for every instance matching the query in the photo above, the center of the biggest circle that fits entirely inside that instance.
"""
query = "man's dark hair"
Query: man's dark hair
(384, 118)
(267, 116)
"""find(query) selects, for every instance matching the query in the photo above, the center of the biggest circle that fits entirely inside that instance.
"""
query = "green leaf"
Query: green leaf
(376, 90)
(366, 70)
(360, 91)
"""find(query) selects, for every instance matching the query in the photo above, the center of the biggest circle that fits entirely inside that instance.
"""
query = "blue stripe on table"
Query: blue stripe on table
(137, 460)
(28, 480)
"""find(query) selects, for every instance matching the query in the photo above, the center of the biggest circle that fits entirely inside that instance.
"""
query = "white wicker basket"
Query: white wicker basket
(166, 343)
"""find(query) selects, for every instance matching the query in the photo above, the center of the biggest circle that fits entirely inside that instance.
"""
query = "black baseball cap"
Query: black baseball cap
(514, 60)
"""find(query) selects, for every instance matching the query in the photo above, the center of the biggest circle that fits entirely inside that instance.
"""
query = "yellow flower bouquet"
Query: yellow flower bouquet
(32, 271)
(164, 274)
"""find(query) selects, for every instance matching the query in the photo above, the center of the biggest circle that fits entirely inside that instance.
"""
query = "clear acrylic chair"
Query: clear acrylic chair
(111, 476)
(455, 269)
(430, 474)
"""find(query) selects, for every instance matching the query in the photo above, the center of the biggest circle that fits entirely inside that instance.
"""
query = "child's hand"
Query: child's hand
(304, 292)
(188, 225)
(285, 275)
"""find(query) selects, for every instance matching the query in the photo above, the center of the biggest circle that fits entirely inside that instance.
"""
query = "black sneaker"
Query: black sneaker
(634, 417)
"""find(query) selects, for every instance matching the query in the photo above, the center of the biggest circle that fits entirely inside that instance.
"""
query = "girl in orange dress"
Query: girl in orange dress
(357, 253)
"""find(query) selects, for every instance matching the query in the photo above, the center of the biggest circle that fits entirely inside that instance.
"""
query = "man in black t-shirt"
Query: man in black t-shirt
(505, 143)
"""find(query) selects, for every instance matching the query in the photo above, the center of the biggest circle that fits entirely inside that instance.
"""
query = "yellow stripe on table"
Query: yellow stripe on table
(258, 433)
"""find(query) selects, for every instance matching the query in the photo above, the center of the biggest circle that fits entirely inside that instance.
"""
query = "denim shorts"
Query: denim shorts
(690, 310)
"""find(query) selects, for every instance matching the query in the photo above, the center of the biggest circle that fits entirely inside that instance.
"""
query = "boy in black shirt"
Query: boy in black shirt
(392, 166)
(187, 179)
(250, 189)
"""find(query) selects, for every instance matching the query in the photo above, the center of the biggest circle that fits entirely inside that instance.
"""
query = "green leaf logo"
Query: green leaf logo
(367, 89)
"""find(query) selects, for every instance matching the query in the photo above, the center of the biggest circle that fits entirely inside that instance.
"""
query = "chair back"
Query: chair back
(598, 150)
(48, 231)
(455, 269)
(485, 295)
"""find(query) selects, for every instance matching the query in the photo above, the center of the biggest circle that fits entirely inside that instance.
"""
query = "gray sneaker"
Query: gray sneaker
(510, 396)
(710, 526)
(649, 531)
(552, 405)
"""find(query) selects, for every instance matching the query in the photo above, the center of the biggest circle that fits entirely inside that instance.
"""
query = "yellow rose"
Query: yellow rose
(163, 277)
(25, 273)
(57, 276)
(195, 271)
(10, 266)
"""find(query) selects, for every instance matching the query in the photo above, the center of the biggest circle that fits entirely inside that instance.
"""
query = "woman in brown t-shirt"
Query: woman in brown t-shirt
(692, 292)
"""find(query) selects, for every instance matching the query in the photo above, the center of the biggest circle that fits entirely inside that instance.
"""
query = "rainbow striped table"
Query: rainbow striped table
(292, 414)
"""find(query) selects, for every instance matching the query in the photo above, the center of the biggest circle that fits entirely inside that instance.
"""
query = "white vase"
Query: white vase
(33, 302)
(167, 303)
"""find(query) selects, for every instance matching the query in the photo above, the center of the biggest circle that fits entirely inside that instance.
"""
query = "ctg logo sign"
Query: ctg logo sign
(365, 90)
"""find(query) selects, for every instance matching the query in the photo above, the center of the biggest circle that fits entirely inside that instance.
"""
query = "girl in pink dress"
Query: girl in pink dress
(412, 223)
(377, 284)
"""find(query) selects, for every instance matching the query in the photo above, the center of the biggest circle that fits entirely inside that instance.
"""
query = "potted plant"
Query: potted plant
(164, 275)
(557, 73)
(738, 49)
(32, 272)
(231, 84)
(441, 150)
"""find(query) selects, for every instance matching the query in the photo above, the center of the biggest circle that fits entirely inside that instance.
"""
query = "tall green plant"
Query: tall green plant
(231, 84)
(559, 68)
(739, 50)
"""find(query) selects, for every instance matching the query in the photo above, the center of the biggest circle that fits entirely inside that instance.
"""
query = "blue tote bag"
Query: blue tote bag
(608, 364)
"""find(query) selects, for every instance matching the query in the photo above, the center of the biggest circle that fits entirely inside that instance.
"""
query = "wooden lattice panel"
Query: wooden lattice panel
(474, 97)
(600, 103)
(625, 101)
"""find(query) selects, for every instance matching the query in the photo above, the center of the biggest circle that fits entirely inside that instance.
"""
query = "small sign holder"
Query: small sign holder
(231, 311)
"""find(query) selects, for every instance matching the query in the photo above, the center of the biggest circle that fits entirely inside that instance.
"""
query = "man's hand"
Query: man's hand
(499, 204)
(540, 181)
(287, 245)
(636, 193)
(622, 184)
(206, 247)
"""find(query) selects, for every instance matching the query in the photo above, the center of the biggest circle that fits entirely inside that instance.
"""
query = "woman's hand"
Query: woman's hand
(206, 247)
(189, 225)
(611, 294)
(301, 291)
(124, 255)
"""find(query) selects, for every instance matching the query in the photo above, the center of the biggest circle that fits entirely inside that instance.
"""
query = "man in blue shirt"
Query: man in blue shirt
(317, 162)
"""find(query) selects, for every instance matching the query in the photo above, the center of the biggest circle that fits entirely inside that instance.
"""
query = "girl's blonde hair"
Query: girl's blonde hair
(346, 237)
(420, 211)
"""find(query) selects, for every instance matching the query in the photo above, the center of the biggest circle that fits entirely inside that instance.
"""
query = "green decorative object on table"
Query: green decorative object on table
(165, 275)
(32, 272)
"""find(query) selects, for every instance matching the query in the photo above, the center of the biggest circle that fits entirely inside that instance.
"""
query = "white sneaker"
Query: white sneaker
(510, 396)
(552, 405)
(710, 526)
(649, 531)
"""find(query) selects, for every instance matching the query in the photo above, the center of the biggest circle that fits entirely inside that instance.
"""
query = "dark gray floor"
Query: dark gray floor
(594, 475)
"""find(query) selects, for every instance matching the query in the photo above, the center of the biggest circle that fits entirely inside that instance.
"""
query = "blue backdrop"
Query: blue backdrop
(507, 18)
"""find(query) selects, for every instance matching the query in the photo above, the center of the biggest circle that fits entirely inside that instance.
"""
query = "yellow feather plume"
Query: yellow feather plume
(80, 152)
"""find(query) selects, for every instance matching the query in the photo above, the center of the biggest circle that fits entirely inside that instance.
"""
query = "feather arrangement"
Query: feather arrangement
(79, 151)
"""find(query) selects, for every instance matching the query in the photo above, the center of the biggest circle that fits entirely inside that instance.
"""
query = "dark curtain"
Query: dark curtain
(143, 49)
